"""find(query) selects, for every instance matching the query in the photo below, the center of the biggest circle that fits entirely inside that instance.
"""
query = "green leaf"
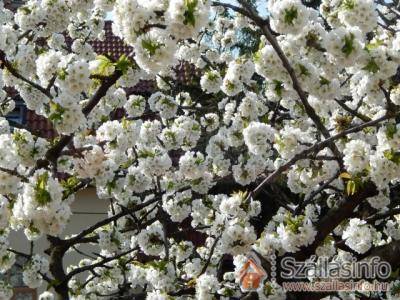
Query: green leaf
(170, 185)
(304, 70)
(323, 81)
(191, 282)
(212, 76)
(294, 223)
(69, 185)
(42, 196)
(392, 156)
(125, 123)
(111, 185)
(144, 153)
(62, 74)
(261, 44)
(313, 41)
(257, 57)
(391, 130)
(228, 292)
(199, 161)
(264, 119)
(159, 265)
(25, 10)
(18, 137)
(151, 46)
(351, 187)
(373, 45)
(290, 15)
(268, 290)
(189, 16)
(348, 46)
(278, 87)
(57, 112)
(348, 4)
(104, 66)
(123, 64)
(371, 66)
(196, 181)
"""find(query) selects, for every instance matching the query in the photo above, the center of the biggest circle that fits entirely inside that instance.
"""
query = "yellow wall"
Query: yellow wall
(87, 209)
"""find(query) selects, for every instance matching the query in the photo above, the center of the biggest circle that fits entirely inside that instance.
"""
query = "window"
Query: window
(18, 114)
(14, 277)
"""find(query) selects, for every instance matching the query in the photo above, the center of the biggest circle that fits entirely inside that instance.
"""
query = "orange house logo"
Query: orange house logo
(251, 275)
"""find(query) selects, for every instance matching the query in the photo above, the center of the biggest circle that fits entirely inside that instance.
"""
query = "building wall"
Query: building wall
(87, 210)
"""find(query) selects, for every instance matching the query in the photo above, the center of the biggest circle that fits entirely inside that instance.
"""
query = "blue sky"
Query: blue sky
(262, 5)
(262, 8)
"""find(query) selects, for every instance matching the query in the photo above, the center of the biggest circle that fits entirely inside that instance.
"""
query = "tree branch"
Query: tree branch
(54, 152)
(76, 239)
(4, 63)
(317, 147)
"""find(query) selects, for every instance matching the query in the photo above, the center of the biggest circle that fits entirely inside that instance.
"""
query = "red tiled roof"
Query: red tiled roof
(115, 48)
(40, 124)
(111, 44)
